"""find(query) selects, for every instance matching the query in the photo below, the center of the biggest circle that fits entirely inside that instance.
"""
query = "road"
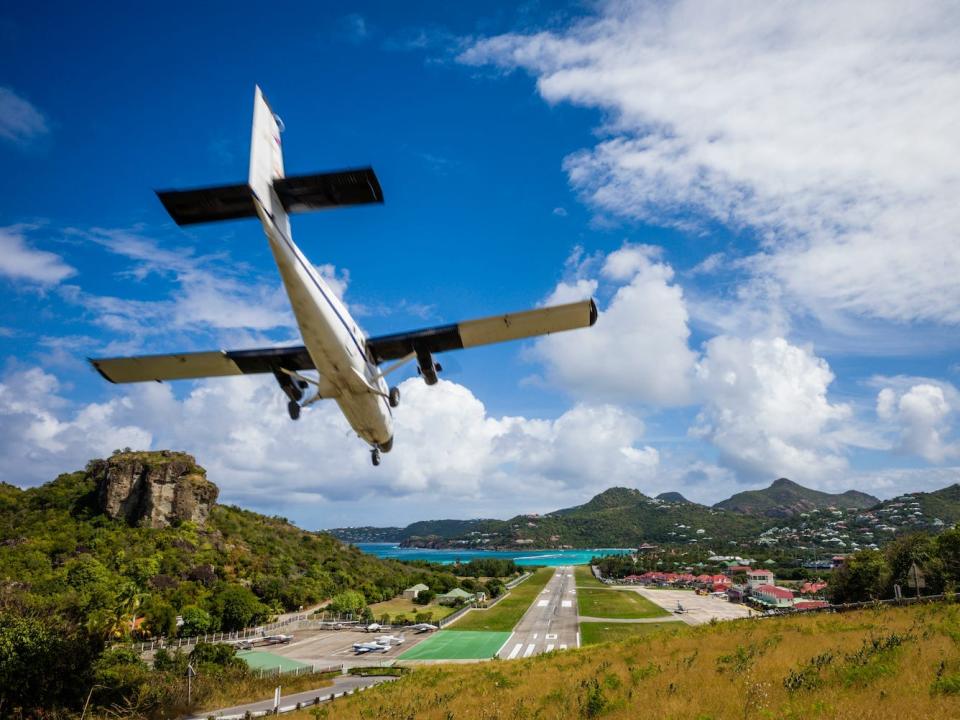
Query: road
(341, 684)
(550, 622)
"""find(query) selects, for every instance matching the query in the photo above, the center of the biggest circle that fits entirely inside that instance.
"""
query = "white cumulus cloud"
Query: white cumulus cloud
(449, 451)
(826, 130)
(767, 411)
(921, 415)
(638, 350)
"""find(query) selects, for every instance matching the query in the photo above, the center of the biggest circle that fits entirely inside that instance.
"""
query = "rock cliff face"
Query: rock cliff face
(154, 489)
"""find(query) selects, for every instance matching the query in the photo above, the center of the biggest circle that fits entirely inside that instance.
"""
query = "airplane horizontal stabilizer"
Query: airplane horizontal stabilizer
(301, 193)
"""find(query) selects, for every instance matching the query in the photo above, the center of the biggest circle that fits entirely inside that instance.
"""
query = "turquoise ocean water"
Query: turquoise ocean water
(552, 558)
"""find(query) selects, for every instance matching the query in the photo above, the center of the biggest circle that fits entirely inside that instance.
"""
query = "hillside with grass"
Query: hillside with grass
(886, 663)
(73, 578)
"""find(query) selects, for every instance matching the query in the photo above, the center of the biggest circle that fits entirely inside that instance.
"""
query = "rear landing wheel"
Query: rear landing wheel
(394, 397)
(375, 456)
(293, 407)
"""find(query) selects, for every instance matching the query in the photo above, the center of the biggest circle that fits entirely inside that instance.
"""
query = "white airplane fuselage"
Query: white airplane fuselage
(333, 339)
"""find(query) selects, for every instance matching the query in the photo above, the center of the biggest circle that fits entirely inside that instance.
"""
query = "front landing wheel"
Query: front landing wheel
(394, 397)
(375, 456)
(293, 407)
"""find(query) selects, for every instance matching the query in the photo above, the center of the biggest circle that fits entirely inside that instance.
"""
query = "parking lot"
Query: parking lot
(699, 608)
(335, 647)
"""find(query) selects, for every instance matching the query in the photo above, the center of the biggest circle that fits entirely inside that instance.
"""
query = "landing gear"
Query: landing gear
(375, 456)
(293, 407)
(394, 397)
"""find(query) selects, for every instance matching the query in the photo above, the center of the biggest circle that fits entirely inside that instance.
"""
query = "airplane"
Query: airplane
(423, 627)
(680, 609)
(373, 627)
(389, 640)
(347, 361)
(368, 647)
(277, 639)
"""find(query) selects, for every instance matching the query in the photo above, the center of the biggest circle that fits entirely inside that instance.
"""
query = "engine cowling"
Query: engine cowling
(290, 387)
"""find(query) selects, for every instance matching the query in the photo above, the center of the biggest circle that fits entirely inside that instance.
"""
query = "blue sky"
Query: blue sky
(761, 198)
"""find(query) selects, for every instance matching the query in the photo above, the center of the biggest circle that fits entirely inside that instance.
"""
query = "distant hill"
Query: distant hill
(943, 505)
(673, 497)
(367, 533)
(617, 517)
(785, 498)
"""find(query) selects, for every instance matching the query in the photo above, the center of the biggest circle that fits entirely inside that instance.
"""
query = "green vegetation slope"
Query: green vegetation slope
(785, 498)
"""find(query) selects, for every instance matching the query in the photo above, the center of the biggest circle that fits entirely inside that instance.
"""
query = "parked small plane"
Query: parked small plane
(368, 647)
(348, 362)
(277, 639)
(423, 627)
(390, 640)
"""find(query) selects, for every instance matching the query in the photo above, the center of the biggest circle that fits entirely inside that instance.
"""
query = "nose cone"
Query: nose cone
(387, 446)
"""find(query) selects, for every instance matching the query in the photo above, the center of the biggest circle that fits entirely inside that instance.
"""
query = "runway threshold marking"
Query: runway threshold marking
(567, 603)
(542, 603)
(516, 651)
(529, 651)
(550, 648)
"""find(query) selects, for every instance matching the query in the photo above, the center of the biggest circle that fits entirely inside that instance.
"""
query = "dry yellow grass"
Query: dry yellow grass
(874, 664)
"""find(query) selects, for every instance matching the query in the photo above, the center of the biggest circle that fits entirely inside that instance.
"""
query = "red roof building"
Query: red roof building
(810, 604)
(813, 588)
(773, 595)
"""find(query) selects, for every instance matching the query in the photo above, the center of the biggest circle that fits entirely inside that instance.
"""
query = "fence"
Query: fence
(310, 669)
(258, 631)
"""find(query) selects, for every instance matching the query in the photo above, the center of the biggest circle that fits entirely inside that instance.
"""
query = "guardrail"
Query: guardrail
(286, 708)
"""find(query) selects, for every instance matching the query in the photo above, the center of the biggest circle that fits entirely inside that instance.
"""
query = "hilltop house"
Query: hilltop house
(411, 592)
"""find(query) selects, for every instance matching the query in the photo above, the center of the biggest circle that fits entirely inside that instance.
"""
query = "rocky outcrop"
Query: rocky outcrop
(153, 489)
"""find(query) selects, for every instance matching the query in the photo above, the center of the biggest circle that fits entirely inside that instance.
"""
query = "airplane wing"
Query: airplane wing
(467, 334)
(186, 366)
(471, 333)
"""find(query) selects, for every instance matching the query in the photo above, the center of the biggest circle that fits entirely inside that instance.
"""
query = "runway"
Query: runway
(550, 622)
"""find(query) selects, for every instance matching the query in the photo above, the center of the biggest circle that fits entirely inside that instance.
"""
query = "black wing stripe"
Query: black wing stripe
(398, 345)
(269, 359)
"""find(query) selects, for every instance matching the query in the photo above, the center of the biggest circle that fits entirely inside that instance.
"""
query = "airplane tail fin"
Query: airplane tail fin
(267, 183)
(266, 158)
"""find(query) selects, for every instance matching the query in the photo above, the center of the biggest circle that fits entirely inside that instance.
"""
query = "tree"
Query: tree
(863, 576)
(160, 619)
(424, 597)
(196, 621)
(218, 654)
(238, 608)
(348, 601)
